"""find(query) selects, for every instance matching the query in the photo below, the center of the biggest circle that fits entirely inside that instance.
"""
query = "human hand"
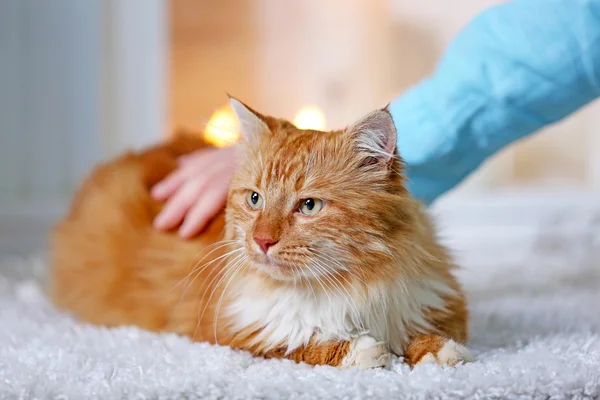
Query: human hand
(196, 191)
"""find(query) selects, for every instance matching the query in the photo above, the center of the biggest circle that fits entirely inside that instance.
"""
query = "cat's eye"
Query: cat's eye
(310, 206)
(254, 200)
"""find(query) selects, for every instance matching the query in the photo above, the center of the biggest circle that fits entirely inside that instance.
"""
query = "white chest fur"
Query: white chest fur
(293, 315)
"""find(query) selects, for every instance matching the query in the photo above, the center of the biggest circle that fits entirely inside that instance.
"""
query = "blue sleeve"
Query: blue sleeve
(512, 70)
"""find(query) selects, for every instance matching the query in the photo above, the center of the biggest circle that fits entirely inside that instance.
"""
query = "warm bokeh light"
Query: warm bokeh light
(310, 118)
(223, 127)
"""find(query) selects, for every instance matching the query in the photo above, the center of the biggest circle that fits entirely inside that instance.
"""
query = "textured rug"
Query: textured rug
(535, 328)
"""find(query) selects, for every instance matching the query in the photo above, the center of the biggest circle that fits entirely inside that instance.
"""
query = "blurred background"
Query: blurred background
(81, 81)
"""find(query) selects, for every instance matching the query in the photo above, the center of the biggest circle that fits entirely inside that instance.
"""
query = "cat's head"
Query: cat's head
(309, 204)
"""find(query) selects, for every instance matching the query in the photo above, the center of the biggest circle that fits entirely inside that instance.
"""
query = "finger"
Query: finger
(205, 209)
(179, 204)
(186, 158)
(202, 156)
(189, 165)
(165, 188)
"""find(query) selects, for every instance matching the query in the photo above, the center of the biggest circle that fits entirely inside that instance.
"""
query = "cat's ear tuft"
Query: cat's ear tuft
(375, 135)
(252, 125)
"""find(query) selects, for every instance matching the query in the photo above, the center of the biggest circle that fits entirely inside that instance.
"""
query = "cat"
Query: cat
(321, 255)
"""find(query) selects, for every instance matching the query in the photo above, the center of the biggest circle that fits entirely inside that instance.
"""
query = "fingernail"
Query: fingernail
(159, 221)
(186, 230)
(156, 190)
(159, 192)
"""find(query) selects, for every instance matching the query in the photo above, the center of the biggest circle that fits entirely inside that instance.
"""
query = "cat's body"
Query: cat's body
(361, 277)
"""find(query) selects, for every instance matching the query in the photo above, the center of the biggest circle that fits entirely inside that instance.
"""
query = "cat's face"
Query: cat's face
(311, 205)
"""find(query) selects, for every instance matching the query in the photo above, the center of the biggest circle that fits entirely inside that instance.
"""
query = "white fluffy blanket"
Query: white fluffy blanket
(535, 329)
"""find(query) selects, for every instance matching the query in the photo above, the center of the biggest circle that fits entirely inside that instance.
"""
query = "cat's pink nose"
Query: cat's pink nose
(264, 243)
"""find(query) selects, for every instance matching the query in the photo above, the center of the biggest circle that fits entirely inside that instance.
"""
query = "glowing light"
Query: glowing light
(223, 128)
(310, 117)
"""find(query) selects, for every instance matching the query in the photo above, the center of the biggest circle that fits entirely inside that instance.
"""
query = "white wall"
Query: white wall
(49, 96)
(135, 58)
(79, 81)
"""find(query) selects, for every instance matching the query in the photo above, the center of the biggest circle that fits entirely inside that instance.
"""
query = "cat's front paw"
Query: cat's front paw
(365, 352)
(451, 354)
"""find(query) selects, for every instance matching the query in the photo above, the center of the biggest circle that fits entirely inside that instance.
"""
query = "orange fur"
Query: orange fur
(423, 344)
(111, 267)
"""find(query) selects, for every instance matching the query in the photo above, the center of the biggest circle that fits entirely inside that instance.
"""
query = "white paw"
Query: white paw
(366, 352)
(450, 354)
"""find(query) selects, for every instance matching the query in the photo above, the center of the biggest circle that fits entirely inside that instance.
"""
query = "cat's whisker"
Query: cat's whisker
(366, 287)
(342, 267)
(213, 247)
(302, 275)
(199, 273)
(220, 272)
(355, 289)
(204, 288)
(355, 313)
(304, 278)
(370, 314)
(328, 257)
(297, 273)
(218, 245)
(339, 286)
(371, 311)
(326, 260)
(236, 269)
(331, 259)
(229, 262)
(348, 270)
(318, 279)
(224, 273)
(199, 270)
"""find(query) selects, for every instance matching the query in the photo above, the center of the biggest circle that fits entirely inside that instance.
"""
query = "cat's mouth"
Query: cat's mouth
(273, 267)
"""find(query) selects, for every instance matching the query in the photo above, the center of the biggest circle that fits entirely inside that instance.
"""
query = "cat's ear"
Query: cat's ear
(375, 135)
(252, 124)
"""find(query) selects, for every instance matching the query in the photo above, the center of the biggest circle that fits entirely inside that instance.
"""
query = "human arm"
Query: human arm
(512, 70)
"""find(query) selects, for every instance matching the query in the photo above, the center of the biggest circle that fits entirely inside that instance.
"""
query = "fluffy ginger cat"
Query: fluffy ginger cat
(321, 255)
